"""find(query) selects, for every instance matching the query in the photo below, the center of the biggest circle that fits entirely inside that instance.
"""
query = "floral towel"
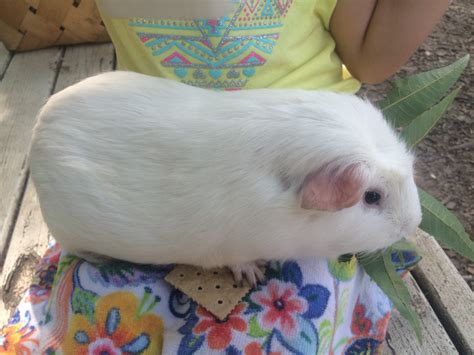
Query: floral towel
(304, 307)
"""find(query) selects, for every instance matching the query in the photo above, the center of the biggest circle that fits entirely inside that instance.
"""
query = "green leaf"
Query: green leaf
(83, 302)
(444, 226)
(343, 270)
(380, 268)
(421, 125)
(403, 298)
(414, 95)
(343, 299)
(325, 334)
(255, 330)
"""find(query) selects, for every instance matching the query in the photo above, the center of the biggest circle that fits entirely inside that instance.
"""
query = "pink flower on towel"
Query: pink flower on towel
(220, 332)
(281, 305)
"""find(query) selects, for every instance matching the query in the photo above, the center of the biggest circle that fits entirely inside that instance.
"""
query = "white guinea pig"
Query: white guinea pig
(153, 171)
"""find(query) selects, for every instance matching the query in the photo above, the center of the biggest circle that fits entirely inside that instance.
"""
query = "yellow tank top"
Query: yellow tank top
(262, 44)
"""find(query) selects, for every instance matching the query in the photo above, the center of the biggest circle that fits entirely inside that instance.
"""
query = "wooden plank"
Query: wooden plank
(447, 292)
(5, 57)
(30, 236)
(26, 85)
(83, 61)
(401, 338)
(28, 243)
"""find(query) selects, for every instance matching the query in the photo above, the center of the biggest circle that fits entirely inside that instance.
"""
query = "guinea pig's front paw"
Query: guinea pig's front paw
(252, 272)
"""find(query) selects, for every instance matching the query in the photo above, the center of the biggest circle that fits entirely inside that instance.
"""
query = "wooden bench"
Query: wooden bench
(440, 296)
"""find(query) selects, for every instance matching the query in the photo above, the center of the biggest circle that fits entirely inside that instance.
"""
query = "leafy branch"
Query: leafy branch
(415, 105)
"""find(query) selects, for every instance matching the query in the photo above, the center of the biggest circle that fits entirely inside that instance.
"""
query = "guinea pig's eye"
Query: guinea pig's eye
(372, 197)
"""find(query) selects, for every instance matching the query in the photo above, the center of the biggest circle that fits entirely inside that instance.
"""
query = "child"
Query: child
(306, 307)
(266, 43)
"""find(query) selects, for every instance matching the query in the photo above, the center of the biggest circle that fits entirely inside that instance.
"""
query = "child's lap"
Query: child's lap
(303, 306)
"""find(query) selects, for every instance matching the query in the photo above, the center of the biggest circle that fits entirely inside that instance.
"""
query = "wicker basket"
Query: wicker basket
(33, 24)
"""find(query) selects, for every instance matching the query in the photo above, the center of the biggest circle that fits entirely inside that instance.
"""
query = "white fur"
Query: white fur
(153, 171)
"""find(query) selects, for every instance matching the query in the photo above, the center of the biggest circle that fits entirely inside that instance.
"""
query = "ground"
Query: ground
(445, 159)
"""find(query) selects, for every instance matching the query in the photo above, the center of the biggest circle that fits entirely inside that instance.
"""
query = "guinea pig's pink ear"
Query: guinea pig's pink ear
(334, 188)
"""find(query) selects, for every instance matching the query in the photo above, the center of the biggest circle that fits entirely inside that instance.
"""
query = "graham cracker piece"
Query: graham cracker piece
(213, 289)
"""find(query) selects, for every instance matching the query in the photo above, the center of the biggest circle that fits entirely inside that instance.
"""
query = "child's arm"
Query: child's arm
(374, 38)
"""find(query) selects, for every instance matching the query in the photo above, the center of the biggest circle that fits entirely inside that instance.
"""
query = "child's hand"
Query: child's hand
(374, 38)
